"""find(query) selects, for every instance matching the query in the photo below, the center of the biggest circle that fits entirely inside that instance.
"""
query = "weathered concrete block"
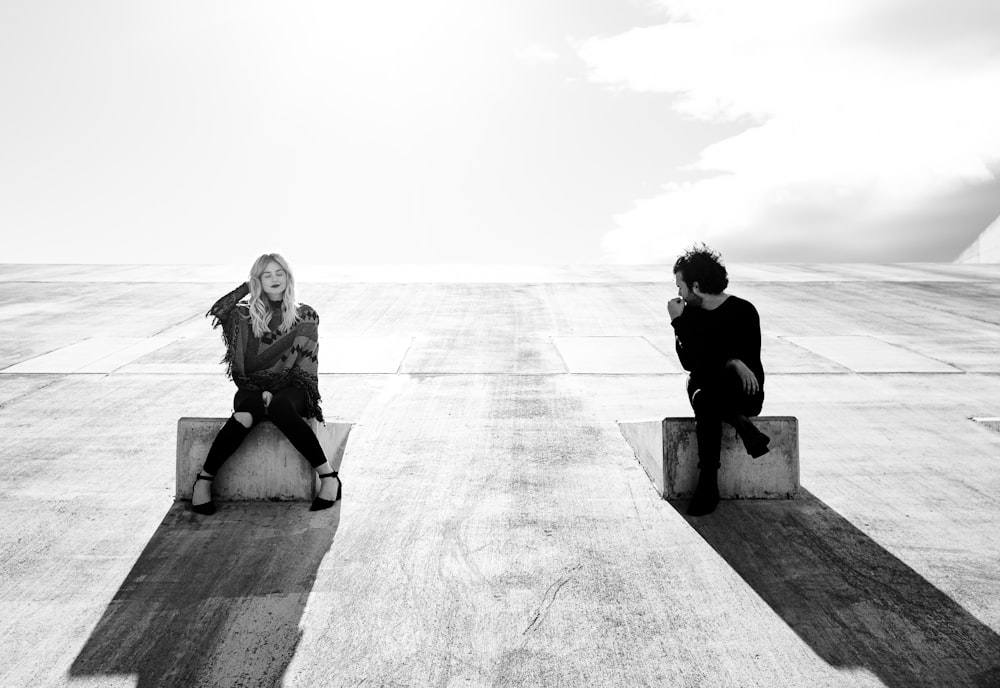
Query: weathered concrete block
(265, 467)
(668, 451)
(993, 423)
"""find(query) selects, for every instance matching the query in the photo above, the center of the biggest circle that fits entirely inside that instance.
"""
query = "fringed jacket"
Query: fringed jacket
(274, 361)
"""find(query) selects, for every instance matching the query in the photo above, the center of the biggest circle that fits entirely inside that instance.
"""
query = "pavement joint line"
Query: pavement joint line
(825, 373)
(864, 353)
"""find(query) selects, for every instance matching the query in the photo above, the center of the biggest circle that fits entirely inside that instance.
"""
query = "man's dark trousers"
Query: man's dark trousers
(717, 398)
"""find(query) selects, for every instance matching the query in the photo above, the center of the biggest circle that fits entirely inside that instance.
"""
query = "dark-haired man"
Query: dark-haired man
(718, 342)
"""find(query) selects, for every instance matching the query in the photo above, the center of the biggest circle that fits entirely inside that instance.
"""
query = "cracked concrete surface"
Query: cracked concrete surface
(488, 490)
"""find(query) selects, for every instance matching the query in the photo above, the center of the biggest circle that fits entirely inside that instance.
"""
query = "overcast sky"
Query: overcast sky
(497, 131)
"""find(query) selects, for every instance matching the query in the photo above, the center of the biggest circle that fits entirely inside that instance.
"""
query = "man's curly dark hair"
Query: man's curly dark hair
(703, 265)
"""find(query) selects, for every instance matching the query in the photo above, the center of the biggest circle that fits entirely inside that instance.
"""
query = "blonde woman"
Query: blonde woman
(271, 354)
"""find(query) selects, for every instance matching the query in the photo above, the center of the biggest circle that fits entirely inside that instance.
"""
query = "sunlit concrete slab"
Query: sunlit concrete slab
(204, 350)
(338, 355)
(169, 369)
(780, 356)
(362, 354)
(152, 273)
(973, 352)
(621, 355)
(120, 357)
(191, 355)
(666, 345)
(870, 355)
(870, 272)
(777, 354)
(496, 354)
(487, 274)
(17, 386)
(195, 327)
(93, 355)
(862, 272)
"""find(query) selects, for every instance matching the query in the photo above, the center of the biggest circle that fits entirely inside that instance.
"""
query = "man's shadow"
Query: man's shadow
(214, 600)
(855, 604)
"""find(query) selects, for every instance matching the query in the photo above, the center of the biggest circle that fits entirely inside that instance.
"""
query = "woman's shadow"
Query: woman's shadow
(214, 600)
(855, 604)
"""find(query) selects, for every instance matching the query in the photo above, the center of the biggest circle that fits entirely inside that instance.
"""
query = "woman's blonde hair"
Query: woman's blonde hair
(260, 313)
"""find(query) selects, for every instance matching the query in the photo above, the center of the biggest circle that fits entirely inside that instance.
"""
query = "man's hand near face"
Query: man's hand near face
(675, 307)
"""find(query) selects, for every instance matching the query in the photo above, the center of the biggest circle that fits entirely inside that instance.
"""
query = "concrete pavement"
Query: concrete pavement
(495, 527)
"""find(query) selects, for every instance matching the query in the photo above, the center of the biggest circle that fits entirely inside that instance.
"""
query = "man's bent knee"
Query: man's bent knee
(243, 418)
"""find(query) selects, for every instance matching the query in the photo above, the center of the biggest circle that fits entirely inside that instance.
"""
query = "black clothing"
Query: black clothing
(273, 360)
(706, 341)
(285, 411)
(721, 399)
(284, 364)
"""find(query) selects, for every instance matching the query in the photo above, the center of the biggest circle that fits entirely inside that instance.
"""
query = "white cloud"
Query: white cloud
(856, 111)
(536, 54)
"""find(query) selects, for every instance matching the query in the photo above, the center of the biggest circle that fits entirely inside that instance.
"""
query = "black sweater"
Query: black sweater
(707, 340)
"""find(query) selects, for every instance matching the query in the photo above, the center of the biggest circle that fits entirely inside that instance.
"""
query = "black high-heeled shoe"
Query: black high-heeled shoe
(208, 508)
(320, 504)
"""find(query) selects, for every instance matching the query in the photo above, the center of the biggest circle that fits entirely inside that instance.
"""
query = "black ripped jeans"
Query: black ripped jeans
(285, 411)
(716, 399)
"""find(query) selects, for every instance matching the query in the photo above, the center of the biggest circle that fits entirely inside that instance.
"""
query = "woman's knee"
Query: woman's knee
(244, 418)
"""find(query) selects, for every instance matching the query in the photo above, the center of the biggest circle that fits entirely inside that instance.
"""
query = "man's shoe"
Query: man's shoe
(706, 495)
(753, 439)
(757, 446)
(703, 504)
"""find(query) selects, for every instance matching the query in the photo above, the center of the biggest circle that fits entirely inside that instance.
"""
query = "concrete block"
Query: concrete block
(993, 423)
(668, 451)
(265, 467)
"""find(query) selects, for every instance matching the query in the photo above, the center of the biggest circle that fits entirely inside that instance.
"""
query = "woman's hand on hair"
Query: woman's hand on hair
(266, 396)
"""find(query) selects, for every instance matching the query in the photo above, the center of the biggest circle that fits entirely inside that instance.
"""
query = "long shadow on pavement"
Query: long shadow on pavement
(854, 603)
(214, 601)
